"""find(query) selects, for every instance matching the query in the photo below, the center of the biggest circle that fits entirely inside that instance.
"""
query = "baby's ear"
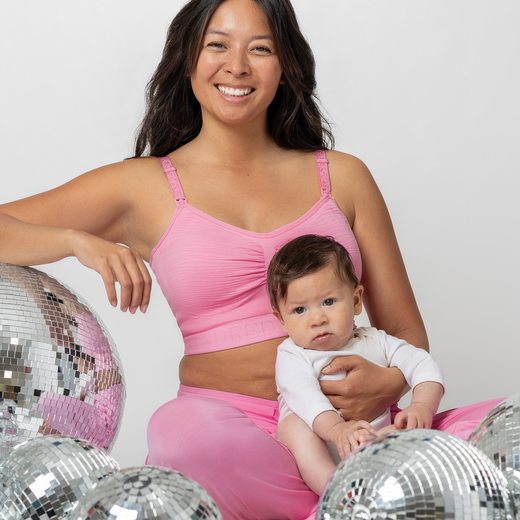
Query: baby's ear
(277, 314)
(280, 319)
(358, 299)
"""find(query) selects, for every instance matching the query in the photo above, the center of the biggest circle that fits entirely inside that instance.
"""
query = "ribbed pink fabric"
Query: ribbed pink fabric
(226, 443)
(213, 274)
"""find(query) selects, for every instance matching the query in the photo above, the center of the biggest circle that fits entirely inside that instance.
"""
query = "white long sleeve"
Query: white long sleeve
(298, 370)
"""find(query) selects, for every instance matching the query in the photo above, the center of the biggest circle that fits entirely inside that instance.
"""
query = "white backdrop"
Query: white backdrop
(425, 92)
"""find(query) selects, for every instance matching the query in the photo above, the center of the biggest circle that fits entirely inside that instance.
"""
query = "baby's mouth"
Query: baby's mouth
(322, 336)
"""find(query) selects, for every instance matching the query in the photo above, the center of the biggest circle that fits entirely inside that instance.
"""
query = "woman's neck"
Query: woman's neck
(235, 144)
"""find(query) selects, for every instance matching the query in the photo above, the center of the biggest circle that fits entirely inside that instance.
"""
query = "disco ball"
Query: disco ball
(145, 493)
(8, 425)
(498, 436)
(60, 372)
(423, 474)
(42, 479)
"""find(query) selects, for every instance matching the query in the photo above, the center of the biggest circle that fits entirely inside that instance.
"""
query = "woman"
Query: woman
(232, 113)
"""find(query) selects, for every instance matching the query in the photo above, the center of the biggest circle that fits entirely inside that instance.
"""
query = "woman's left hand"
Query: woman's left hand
(366, 392)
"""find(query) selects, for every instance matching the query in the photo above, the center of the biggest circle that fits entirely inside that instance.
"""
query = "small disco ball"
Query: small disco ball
(498, 436)
(42, 479)
(145, 493)
(423, 474)
(8, 425)
(60, 372)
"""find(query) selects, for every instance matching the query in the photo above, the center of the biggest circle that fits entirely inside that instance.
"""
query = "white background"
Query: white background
(425, 92)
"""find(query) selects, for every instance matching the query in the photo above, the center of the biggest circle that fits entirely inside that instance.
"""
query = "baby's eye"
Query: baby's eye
(328, 302)
(299, 310)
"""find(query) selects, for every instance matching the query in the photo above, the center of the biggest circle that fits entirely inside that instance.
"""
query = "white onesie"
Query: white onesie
(298, 371)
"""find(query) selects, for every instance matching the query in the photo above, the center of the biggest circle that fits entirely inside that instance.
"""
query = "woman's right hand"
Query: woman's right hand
(90, 217)
(115, 263)
(367, 390)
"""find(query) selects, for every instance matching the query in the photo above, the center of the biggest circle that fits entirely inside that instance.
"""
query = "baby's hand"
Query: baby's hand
(349, 435)
(414, 416)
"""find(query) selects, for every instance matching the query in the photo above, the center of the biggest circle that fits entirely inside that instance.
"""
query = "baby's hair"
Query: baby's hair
(305, 255)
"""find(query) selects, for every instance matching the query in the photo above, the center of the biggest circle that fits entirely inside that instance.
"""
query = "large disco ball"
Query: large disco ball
(148, 492)
(42, 479)
(498, 436)
(423, 474)
(60, 371)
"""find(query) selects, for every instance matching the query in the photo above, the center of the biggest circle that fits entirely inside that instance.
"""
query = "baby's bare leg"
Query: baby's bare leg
(309, 450)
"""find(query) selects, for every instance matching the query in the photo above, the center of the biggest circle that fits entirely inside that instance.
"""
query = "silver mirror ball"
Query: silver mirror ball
(60, 372)
(42, 479)
(423, 474)
(147, 492)
(498, 436)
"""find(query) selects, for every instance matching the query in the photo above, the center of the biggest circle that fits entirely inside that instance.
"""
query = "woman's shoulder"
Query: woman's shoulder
(350, 180)
(128, 179)
(344, 166)
(134, 169)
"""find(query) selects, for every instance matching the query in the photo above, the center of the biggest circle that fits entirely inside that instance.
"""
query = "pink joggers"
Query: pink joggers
(226, 443)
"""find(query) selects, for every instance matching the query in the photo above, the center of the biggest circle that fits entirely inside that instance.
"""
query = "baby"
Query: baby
(315, 294)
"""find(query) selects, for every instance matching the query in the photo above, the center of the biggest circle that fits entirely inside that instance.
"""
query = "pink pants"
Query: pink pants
(226, 443)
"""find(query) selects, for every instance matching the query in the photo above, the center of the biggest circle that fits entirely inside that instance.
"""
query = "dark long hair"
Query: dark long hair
(173, 116)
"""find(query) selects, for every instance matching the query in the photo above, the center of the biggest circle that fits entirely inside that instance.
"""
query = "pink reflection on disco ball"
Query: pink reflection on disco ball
(60, 372)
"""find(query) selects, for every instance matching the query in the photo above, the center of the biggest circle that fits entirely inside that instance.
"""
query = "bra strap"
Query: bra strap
(323, 171)
(173, 179)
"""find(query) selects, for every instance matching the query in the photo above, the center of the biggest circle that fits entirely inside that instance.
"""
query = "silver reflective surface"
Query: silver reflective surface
(145, 493)
(498, 436)
(42, 479)
(422, 474)
(60, 372)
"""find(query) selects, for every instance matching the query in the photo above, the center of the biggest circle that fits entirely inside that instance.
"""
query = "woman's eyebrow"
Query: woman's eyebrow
(220, 32)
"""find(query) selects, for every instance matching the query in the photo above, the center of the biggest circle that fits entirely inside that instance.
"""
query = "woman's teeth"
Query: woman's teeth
(234, 91)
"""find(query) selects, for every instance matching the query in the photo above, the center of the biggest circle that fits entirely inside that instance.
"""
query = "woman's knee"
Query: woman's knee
(194, 428)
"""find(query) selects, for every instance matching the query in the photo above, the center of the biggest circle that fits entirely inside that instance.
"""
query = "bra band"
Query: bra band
(323, 171)
(173, 179)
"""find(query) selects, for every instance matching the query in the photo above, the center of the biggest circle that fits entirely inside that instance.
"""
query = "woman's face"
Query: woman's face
(238, 71)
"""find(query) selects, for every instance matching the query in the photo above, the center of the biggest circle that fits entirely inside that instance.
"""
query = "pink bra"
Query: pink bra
(213, 274)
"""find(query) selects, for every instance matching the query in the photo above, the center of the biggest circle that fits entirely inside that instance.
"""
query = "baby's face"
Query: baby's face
(319, 310)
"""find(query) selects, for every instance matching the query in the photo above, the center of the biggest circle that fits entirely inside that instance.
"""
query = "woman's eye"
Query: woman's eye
(328, 302)
(299, 310)
(216, 45)
(262, 49)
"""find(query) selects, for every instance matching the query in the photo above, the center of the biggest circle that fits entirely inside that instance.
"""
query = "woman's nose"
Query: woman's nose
(237, 63)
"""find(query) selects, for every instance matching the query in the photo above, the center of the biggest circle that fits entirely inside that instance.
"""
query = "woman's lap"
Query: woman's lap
(460, 421)
(226, 443)
(229, 448)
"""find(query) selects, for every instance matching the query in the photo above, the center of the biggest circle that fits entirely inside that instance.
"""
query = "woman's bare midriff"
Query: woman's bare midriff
(245, 370)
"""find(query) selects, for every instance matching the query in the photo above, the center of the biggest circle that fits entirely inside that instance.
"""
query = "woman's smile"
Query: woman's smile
(235, 92)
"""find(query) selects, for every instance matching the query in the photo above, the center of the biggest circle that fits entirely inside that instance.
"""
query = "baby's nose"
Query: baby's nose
(318, 318)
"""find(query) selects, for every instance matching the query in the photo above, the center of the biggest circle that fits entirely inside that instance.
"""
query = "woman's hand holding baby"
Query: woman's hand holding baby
(366, 392)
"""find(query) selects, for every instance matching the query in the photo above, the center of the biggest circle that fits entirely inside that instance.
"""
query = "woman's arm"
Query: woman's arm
(389, 300)
(388, 296)
(88, 218)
